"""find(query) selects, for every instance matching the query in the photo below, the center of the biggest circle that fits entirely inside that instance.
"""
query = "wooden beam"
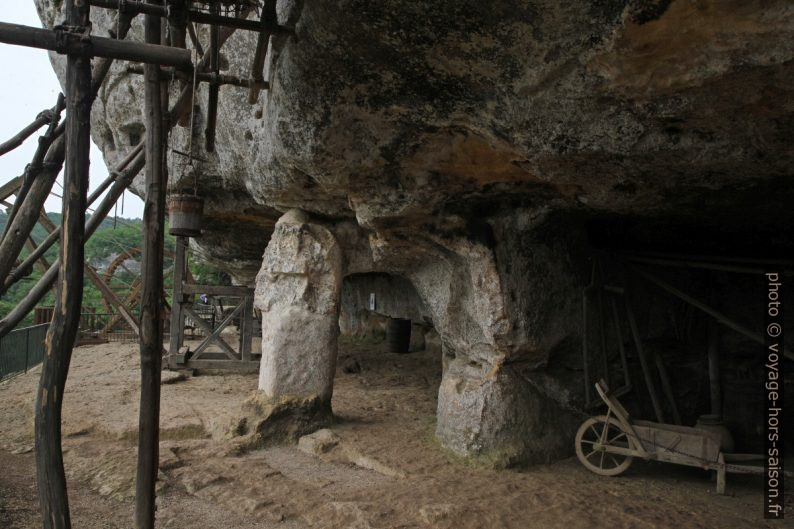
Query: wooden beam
(216, 335)
(214, 89)
(19, 138)
(258, 65)
(216, 290)
(50, 476)
(46, 167)
(40, 289)
(10, 187)
(646, 369)
(151, 335)
(181, 107)
(70, 43)
(191, 30)
(228, 349)
(34, 167)
(199, 17)
(27, 214)
(177, 22)
(45, 245)
(721, 318)
(204, 77)
(176, 338)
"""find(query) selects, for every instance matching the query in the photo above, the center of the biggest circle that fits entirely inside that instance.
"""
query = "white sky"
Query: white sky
(33, 89)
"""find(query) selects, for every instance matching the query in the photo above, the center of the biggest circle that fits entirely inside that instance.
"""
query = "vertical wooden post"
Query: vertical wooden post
(214, 88)
(151, 337)
(177, 315)
(714, 366)
(50, 476)
(247, 331)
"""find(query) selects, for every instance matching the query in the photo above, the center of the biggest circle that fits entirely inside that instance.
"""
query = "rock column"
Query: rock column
(298, 291)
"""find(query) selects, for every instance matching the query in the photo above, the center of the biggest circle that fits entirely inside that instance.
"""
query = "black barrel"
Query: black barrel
(398, 335)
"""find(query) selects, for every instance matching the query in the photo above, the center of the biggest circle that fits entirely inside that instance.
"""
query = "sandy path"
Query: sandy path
(386, 472)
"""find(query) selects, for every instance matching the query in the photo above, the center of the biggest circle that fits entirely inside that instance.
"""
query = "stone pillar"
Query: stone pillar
(298, 291)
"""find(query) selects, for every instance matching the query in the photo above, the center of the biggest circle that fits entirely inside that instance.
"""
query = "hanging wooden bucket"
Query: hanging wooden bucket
(184, 215)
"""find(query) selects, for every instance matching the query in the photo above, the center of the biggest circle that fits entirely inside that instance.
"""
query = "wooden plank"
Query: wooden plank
(151, 335)
(50, 476)
(216, 290)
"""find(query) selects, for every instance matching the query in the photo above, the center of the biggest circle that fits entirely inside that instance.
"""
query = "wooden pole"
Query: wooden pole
(64, 42)
(45, 245)
(151, 336)
(42, 174)
(713, 334)
(42, 119)
(40, 289)
(199, 17)
(35, 165)
(50, 476)
(721, 318)
(28, 212)
(646, 369)
(268, 19)
(176, 338)
(214, 88)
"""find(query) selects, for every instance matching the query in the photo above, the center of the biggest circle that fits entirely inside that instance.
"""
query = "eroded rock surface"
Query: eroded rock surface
(470, 148)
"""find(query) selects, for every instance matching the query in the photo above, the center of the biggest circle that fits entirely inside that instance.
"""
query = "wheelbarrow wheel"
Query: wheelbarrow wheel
(601, 462)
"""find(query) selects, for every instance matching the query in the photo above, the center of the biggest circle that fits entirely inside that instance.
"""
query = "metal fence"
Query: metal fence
(22, 349)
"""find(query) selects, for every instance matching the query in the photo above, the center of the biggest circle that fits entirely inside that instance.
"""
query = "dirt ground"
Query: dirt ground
(383, 470)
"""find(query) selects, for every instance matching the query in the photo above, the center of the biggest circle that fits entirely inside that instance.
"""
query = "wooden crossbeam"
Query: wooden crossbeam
(72, 43)
(258, 65)
(204, 77)
(199, 17)
(216, 335)
(230, 352)
(52, 238)
(19, 138)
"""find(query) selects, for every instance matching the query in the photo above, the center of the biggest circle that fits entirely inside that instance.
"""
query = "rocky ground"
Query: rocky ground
(377, 466)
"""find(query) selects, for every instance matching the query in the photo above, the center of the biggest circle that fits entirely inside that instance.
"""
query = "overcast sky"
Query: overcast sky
(31, 86)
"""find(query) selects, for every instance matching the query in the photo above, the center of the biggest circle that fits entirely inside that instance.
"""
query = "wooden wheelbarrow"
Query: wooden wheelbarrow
(607, 444)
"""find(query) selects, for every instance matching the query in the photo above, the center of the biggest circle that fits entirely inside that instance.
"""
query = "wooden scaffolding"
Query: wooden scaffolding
(168, 25)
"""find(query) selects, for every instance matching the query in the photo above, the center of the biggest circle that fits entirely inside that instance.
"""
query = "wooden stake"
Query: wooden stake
(214, 88)
(151, 336)
(50, 476)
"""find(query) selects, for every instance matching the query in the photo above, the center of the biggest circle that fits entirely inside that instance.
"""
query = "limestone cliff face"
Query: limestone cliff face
(467, 145)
